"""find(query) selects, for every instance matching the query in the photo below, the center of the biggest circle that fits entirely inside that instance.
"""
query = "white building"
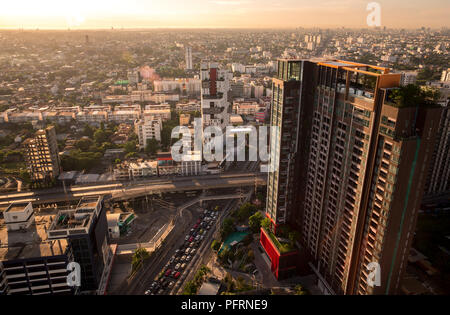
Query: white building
(124, 116)
(409, 77)
(148, 129)
(214, 97)
(156, 113)
(18, 216)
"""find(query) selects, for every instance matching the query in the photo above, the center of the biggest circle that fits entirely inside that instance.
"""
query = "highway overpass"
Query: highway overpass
(121, 191)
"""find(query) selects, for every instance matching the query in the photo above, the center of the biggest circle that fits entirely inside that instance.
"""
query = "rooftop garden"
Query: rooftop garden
(286, 238)
(411, 96)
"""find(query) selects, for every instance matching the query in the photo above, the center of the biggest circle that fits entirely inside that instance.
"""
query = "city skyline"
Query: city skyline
(51, 14)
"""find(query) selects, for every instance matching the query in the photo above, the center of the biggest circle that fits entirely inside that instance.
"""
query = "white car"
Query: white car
(177, 266)
(188, 258)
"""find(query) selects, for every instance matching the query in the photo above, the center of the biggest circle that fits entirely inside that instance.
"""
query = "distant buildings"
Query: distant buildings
(42, 156)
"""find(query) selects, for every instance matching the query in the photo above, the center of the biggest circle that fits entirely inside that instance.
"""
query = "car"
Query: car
(183, 258)
(187, 237)
(161, 291)
(177, 275)
(191, 239)
(172, 259)
(171, 284)
(173, 273)
(183, 265)
(197, 237)
(193, 252)
(177, 266)
(192, 231)
(188, 258)
(191, 244)
(187, 251)
(148, 292)
(202, 237)
(168, 271)
(199, 221)
(205, 212)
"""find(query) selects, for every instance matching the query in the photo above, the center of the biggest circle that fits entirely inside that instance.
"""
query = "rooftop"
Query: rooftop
(30, 243)
(16, 207)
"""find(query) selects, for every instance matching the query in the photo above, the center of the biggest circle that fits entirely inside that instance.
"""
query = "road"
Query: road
(138, 188)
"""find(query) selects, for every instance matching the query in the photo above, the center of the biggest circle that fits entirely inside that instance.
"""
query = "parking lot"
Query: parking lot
(179, 262)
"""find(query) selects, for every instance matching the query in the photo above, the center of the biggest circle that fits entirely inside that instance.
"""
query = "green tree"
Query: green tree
(190, 288)
(139, 256)
(130, 146)
(255, 221)
(227, 227)
(84, 144)
(152, 146)
(266, 224)
(245, 211)
(215, 245)
(299, 290)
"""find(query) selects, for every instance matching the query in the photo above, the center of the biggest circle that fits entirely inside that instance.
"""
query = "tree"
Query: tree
(255, 221)
(299, 290)
(266, 224)
(215, 245)
(152, 146)
(88, 131)
(227, 227)
(130, 146)
(245, 211)
(101, 135)
(190, 288)
(84, 144)
(138, 258)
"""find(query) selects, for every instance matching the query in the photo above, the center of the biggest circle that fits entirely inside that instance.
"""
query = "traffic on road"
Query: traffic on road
(179, 262)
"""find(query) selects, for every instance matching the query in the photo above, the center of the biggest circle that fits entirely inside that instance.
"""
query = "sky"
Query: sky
(93, 14)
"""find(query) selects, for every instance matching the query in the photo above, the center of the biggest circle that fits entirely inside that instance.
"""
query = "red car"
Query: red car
(191, 239)
(195, 226)
(177, 275)
(168, 272)
(199, 221)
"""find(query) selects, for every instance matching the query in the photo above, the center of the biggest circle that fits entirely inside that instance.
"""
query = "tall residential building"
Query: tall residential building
(41, 155)
(352, 166)
(148, 129)
(215, 96)
(188, 58)
(439, 176)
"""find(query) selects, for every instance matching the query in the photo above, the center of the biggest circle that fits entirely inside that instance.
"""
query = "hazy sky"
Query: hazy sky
(218, 13)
